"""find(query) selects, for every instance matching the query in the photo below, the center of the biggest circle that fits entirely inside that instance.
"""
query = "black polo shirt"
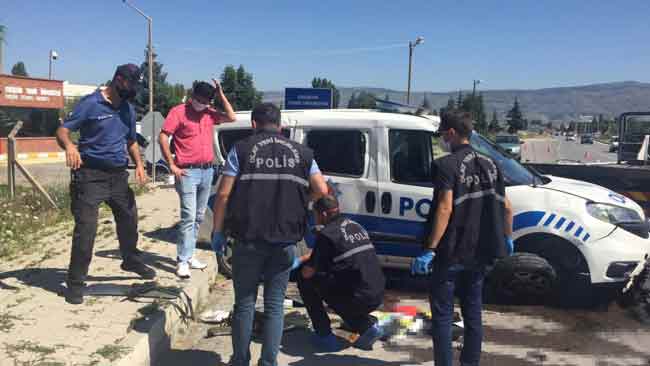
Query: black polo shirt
(475, 234)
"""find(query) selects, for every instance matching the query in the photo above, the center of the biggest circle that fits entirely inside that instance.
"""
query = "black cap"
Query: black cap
(129, 71)
(458, 120)
(327, 203)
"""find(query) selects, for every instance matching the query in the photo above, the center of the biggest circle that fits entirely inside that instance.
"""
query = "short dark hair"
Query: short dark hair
(327, 203)
(265, 114)
(460, 121)
(203, 89)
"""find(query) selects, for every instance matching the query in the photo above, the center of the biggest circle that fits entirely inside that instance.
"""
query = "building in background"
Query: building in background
(38, 103)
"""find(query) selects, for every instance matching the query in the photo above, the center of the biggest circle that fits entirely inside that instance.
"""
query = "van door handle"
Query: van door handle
(371, 201)
(386, 202)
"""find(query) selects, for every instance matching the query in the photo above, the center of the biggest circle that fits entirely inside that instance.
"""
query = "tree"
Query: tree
(19, 69)
(161, 96)
(451, 105)
(239, 88)
(327, 84)
(426, 104)
(515, 118)
(3, 32)
(353, 101)
(362, 100)
(459, 101)
(494, 122)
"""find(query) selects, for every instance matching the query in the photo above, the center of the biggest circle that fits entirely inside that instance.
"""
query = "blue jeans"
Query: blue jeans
(193, 190)
(250, 263)
(467, 283)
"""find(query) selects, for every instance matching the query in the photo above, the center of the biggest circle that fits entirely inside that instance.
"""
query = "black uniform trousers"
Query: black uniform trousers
(88, 189)
(354, 311)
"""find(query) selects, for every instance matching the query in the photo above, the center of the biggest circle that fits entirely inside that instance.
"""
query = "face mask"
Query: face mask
(198, 106)
(125, 93)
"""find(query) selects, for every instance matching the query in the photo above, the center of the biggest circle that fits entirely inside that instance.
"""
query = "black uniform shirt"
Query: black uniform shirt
(475, 234)
(348, 268)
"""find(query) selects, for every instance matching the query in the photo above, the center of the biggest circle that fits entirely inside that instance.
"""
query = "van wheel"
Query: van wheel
(522, 278)
(225, 260)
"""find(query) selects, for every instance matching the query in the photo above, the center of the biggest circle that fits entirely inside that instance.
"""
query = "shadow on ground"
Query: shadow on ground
(296, 344)
(49, 279)
(152, 259)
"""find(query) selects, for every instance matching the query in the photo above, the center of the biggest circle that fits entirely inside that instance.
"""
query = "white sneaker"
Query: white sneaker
(183, 270)
(197, 264)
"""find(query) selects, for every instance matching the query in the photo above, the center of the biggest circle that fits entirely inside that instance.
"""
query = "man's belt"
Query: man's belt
(197, 166)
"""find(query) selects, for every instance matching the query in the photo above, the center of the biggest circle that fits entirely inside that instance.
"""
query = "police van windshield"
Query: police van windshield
(514, 173)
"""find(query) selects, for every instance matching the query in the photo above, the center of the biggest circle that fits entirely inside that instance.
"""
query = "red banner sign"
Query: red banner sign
(30, 93)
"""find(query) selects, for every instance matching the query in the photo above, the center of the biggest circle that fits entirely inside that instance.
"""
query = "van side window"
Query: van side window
(411, 155)
(338, 152)
(227, 138)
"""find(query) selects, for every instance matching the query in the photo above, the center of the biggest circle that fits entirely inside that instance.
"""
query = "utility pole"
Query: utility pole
(412, 45)
(151, 87)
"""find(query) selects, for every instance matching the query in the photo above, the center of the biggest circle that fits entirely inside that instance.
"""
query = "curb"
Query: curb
(145, 347)
(34, 156)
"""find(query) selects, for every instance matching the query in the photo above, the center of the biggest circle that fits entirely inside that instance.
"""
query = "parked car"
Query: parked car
(574, 241)
(613, 144)
(511, 144)
(586, 139)
(570, 137)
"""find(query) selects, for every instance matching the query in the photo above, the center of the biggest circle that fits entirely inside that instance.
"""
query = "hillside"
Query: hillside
(565, 103)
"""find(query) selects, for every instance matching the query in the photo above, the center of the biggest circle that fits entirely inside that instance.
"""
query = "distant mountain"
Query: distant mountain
(564, 103)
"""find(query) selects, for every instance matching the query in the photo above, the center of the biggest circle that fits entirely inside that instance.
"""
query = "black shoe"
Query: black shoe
(74, 294)
(139, 268)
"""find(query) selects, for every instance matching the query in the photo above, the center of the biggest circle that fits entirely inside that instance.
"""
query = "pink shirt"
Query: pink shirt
(193, 133)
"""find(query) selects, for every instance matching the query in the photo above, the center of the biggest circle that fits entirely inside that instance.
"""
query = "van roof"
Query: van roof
(342, 118)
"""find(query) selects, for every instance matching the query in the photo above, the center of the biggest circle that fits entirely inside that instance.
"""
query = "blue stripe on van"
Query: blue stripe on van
(549, 220)
(570, 226)
(560, 223)
(527, 219)
(578, 232)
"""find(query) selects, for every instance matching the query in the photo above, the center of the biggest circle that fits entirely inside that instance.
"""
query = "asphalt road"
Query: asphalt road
(551, 150)
(513, 336)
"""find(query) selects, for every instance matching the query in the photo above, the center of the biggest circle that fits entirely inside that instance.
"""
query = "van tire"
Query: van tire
(225, 261)
(522, 278)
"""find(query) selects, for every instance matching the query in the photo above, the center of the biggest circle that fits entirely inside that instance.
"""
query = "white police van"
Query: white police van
(571, 237)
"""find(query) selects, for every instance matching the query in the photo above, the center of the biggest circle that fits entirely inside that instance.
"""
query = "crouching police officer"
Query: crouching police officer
(471, 226)
(343, 271)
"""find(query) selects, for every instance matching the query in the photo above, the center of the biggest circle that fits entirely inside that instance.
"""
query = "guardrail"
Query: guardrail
(13, 163)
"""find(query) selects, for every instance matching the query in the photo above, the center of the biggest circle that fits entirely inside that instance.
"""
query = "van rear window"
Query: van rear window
(338, 152)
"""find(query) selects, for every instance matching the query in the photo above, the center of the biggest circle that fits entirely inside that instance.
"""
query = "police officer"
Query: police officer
(264, 191)
(106, 122)
(471, 226)
(343, 270)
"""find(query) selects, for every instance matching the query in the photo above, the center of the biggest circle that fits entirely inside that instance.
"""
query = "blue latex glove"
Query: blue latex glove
(218, 242)
(422, 264)
(296, 263)
(510, 245)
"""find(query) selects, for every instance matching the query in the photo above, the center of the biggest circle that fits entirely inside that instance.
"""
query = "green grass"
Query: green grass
(25, 219)
(112, 352)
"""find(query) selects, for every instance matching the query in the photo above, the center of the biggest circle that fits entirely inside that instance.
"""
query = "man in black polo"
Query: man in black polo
(344, 272)
(471, 226)
(264, 192)
(106, 124)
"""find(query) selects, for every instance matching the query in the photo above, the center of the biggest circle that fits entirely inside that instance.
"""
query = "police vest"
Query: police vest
(271, 193)
(355, 265)
(476, 231)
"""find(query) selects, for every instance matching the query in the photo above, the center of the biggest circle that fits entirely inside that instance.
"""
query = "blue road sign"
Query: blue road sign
(307, 98)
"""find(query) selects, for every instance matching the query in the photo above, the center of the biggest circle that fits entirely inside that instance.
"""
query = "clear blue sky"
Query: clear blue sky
(508, 43)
